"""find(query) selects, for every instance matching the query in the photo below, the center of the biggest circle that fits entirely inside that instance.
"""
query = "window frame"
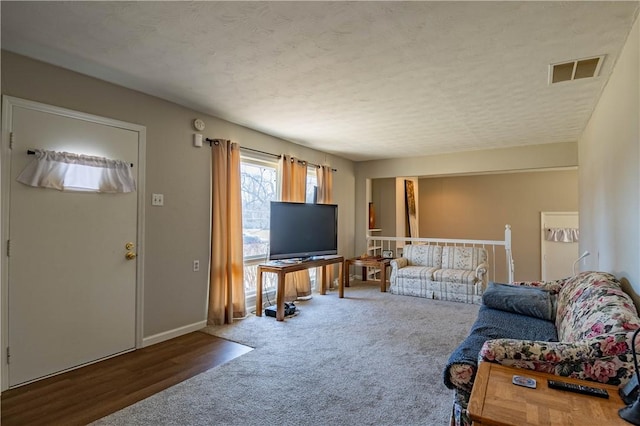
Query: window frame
(261, 161)
(269, 284)
(251, 262)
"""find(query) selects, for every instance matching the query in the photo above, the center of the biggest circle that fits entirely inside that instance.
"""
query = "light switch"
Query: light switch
(197, 140)
(157, 199)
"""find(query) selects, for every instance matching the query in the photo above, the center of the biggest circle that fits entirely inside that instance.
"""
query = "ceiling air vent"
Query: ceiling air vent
(573, 70)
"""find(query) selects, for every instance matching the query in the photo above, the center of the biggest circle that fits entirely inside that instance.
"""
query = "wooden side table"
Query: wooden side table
(366, 262)
(495, 400)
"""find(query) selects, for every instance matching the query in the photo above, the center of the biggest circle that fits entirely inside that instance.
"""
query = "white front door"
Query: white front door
(71, 288)
(558, 257)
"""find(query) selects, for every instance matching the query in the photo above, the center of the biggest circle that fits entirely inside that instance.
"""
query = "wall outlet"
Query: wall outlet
(157, 199)
(196, 265)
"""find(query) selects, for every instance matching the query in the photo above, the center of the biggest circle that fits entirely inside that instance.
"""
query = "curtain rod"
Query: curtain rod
(242, 148)
(32, 152)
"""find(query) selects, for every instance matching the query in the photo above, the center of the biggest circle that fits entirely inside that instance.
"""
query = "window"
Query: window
(312, 184)
(65, 171)
(258, 180)
(312, 188)
(259, 187)
(259, 177)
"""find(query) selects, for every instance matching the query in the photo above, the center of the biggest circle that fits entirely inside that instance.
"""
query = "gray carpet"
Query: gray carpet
(371, 358)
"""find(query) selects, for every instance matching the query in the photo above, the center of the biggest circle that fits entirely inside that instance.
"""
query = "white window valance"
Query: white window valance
(562, 235)
(65, 171)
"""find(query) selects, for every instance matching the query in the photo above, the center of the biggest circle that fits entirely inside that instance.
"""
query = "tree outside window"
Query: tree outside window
(259, 187)
(258, 182)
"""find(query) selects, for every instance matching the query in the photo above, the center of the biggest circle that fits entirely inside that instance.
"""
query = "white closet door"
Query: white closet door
(558, 257)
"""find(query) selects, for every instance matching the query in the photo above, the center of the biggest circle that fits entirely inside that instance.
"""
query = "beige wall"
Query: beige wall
(479, 207)
(178, 233)
(390, 203)
(609, 156)
(383, 196)
(545, 156)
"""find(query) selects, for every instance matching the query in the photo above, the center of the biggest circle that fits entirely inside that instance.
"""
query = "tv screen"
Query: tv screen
(300, 230)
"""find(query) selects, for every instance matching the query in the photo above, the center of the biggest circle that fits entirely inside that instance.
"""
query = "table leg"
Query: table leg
(364, 273)
(323, 280)
(383, 277)
(346, 273)
(259, 294)
(343, 279)
(280, 297)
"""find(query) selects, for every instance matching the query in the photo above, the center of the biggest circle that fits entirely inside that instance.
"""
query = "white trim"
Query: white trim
(257, 158)
(170, 334)
(8, 103)
(64, 112)
(7, 114)
(142, 162)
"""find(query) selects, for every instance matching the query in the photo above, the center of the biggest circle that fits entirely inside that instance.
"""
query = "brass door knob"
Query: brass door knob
(128, 246)
(130, 255)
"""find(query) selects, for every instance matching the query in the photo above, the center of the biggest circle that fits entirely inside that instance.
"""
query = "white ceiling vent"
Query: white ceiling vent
(573, 70)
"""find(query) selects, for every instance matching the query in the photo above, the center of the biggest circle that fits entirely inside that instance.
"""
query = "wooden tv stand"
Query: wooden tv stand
(282, 268)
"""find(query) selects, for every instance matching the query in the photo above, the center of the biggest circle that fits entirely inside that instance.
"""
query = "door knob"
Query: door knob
(130, 255)
(128, 246)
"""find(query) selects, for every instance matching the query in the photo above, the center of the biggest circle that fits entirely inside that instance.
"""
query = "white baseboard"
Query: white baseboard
(176, 332)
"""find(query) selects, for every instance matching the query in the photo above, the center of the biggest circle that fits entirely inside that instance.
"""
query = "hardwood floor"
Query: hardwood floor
(81, 396)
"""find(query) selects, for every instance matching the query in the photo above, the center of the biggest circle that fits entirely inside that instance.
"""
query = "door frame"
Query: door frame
(8, 103)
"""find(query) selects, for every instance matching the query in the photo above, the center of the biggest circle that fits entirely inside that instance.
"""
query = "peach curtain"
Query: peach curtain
(294, 188)
(226, 276)
(324, 176)
(325, 185)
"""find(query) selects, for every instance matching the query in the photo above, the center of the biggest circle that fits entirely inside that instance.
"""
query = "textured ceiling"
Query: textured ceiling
(363, 80)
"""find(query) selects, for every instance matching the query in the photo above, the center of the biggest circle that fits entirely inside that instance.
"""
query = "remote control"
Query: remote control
(572, 387)
(524, 381)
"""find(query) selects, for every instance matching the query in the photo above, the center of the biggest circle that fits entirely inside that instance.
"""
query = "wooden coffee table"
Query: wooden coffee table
(366, 262)
(495, 400)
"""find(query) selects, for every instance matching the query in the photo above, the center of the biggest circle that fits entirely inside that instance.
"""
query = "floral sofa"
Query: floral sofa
(440, 272)
(579, 327)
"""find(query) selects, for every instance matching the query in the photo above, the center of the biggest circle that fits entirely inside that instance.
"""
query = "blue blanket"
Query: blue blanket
(496, 324)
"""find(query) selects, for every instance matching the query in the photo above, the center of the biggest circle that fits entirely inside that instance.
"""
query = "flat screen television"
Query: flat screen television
(301, 230)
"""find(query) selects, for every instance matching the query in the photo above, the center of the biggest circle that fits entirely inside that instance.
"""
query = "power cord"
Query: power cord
(266, 294)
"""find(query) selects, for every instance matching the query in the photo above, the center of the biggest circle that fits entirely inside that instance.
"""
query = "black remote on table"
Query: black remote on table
(572, 387)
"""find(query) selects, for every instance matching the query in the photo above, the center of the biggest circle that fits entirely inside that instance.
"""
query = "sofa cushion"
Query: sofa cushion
(463, 257)
(464, 276)
(530, 301)
(421, 272)
(591, 304)
(423, 255)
